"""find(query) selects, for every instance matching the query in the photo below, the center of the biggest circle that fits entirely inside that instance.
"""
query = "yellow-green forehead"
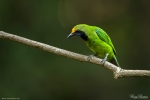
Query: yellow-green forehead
(78, 27)
(73, 30)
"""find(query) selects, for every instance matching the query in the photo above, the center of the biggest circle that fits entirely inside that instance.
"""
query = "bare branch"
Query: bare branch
(118, 72)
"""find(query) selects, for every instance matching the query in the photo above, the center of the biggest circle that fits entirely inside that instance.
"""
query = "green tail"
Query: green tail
(114, 61)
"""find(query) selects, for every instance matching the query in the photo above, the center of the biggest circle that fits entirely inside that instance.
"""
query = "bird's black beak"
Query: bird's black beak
(78, 33)
(70, 35)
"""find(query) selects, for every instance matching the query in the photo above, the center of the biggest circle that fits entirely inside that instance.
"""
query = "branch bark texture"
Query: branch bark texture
(118, 72)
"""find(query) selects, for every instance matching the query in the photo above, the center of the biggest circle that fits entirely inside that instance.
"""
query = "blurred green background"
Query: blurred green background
(32, 74)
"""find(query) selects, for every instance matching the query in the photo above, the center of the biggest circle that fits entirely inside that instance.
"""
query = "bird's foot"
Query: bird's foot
(90, 57)
(104, 60)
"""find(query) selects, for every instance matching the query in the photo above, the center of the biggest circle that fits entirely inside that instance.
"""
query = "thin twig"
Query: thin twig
(118, 72)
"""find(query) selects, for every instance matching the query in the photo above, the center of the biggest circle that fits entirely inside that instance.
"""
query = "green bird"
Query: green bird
(97, 40)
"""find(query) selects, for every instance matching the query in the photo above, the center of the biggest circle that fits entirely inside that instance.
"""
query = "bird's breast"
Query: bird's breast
(99, 47)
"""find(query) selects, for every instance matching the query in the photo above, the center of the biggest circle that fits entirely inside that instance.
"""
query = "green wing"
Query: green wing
(104, 37)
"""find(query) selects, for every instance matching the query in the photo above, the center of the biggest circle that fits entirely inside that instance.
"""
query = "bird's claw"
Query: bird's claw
(90, 57)
(103, 61)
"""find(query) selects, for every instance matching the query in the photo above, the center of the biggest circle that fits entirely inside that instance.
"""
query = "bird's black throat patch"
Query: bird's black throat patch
(82, 35)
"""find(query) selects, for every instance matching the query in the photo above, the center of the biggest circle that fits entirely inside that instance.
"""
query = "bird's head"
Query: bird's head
(79, 31)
